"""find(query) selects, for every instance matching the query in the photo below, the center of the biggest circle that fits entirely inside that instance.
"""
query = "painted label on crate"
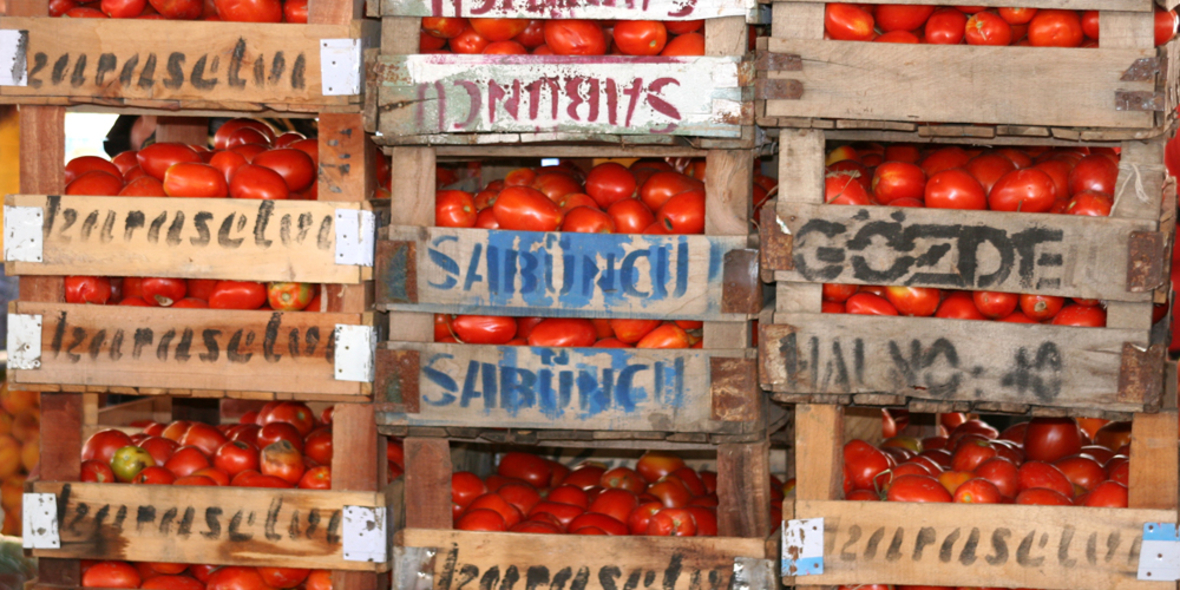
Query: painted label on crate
(996, 545)
(182, 60)
(602, 94)
(1028, 253)
(949, 360)
(587, 9)
(490, 272)
(585, 388)
(230, 239)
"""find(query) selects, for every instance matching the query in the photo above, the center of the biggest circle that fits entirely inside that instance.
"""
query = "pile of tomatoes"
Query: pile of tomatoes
(192, 293)
(254, 11)
(567, 332)
(531, 494)
(1047, 461)
(520, 36)
(179, 576)
(974, 25)
(1073, 180)
(968, 305)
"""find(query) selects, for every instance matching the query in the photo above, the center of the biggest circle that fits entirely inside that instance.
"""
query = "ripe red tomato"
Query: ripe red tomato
(294, 11)
(1082, 471)
(253, 11)
(563, 332)
(482, 329)
(1049, 439)
(454, 208)
(236, 456)
(296, 168)
(144, 186)
(917, 488)
(683, 214)
(499, 29)
(671, 492)
(972, 454)
(282, 460)
(610, 182)
(178, 9)
(672, 522)
(1165, 26)
(101, 446)
(1108, 494)
(995, 305)
(988, 168)
(954, 189)
(622, 478)
(844, 189)
(227, 162)
(898, 180)
(236, 578)
(465, 487)
(318, 446)
(587, 220)
(111, 574)
(1017, 16)
(865, 303)
(154, 475)
(290, 296)
(977, 491)
(505, 48)
(1055, 28)
(902, 17)
(662, 186)
(172, 582)
(575, 37)
(481, 519)
(155, 159)
(946, 26)
(88, 290)
(97, 472)
(630, 216)
(256, 182)
(526, 467)
(83, 164)
(276, 431)
(443, 27)
(1094, 173)
(237, 295)
(1002, 473)
(95, 183)
(191, 179)
(283, 577)
(163, 292)
(863, 463)
(1080, 315)
(185, 461)
(1043, 497)
(987, 28)
(202, 436)
(1090, 203)
(913, 301)
(958, 305)
(1038, 474)
(688, 44)
(848, 22)
(493, 501)
(1029, 190)
(526, 209)
(640, 37)
(1041, 307)
(668, 335)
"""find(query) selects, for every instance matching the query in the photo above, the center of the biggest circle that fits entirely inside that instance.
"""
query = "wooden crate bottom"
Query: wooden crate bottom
(900, 131)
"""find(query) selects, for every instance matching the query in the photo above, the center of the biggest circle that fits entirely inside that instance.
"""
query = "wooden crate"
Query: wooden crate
(191, 66)
(437, 99)
(988, 366)
(444, 559)
(1007, 546)
(1125, 89)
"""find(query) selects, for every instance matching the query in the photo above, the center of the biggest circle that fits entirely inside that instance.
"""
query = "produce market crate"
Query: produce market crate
(429, 554)
(996, 545)
(1124, 89)
(956, 365)
(476, 391)
(436, 99)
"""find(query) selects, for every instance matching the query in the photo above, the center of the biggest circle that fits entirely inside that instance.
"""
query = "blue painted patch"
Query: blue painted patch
(807, 566)
(1160, 531)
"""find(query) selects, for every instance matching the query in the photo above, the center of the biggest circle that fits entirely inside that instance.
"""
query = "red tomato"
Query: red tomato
(1049, 439)
(1038, 474)
(290, 296)
(844, 189)
(493, 501)
(988, 168)
(283, 577)
(237, 295)
(668, 335)
(1090, 203)
(987, 28)
(848, 22)
(83, 164)
(838, 293)
(482, 329)
(256, 182)
(526, 467)
(1055, 28)
(632, 331)
(863, 463)
(575, 37)
(869, 304)
(223, 133)
(185, 461)
(683, 214)
(159, 448)
(902, 17)
(465, 487)
(1017, 16)
(672, 522)
(203, 436)
(630, 216)
(1041, 307)
(318, 446)
(1094, 173)
(154, 475)
(296, 168)
(505, 48)
(898, 180)
(1108, 494)
(190, 179)
(977, 491)
(640, 37)
(84, 12)
(688, 44)
(88, 290)
(282, 460)
(1165, 26)
(662, 186)
(295, 11)
(172, 582)
(1028, 190)
(95, 183)
(917, 488)
(454, 208)
(610, 182)
(588, 220)
(178, 9)
(995, 305)
(972, 454)
(236, 578)
(111, 574)
(954, 189)
(944, 159)
(959, 305)
(1080, 315)
(253, 11)
(1002, 473)
(563, 332)
(227, 162)
(144, 186)
(913, 301)
(97, 471)
(1082, 471)
(163, 292)
(526, 209)
(946, 26)
(155, 159)
(443, 27)
(236, 456)
(622, 478)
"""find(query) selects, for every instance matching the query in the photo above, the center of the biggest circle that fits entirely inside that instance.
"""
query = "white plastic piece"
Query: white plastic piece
(364, 535)
(356, 237)
(39, 521)
(355, 347)
(340, 67)
(24, 341)
(24, 228)
(14, 47)
(1159, 557)
(803, 547)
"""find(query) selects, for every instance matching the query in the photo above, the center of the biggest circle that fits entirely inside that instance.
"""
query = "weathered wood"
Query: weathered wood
(743, 490)
(1154, 478)
(475, 271)
(819, 454)
(961, 84)
(797, 20)
(663, 10)
(427, 483)
(990, 545)
(357, 466)
(188, 61)
(940, 359)
(216, 525)
(594, 563)
(228, 239)
(187, 348)
(1130, 5)
(801, 180)
(596, 389)
(698, 96)
(1064, 255)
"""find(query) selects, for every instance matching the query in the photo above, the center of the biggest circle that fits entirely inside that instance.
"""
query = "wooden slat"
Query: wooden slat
(218, 349)
(226, 239)
(655, 10)
(819, 454)
(579, 561)
(942, 359)
(427, 483)
(355, 467)
(801, 180)
(1153, 479)
(1064, 255)
(176, 61)
(1132, 5)
(743, 490)
(216, 525)
(990, 545)
(947, 83)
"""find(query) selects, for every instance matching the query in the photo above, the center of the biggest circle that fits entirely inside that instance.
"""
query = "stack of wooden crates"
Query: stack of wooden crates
(1123, 94)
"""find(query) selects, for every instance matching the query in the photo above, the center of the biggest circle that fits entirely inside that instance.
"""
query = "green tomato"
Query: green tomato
(129, 461)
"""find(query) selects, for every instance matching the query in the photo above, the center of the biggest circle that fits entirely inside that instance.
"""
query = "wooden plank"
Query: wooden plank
(1131, 5)
(500, 272)
(743, 490)
(801, 180)
(961, 84)
(1126, 30)
(215, 525)
(593, 563)
(228, 239)
(423, 94)
(187, 348)
(356, 467)
(797, 20)
(662, 10)
(111, 60)
(427, 483)
(1154, 479)
(615, 389)
(1064, 255)
(819, 451)
(945, 360)
(990, 545)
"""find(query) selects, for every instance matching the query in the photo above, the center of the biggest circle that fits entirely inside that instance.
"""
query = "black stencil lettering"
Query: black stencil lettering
(561, 577)
(134, 221)
(874, 541)
(999, 554)
(848, 552)
(1113, 540)
(200, 222)
(231, 351)
(213, 351)
(311, 339)
(298, 71)
(96, 343)
(59, 69)
(235, 65)
(272, 518)
(606, 577)
(145, 515)
(79, 336)
(260, 71)
(39, 62)
(99, 517)
(672, 573)
(78, 78)
(147, 74)
(305, 223)
(186, 343)
(52, 206)
(165, 343)
(265, 210)
(293, 530)
(70, 216)
(1025, 549)
(511, 577)
(967, 556)
(128, 71)
(166, 521)
(285, 230)
(236, 535)
(88, 225)
(81, 511)
(186, 523)
(632, 580)
(154, 229)
(108, 228)
(649, 578)
(106, 65)
(293, 342)
(926, 536)
(115, 352)
(278, 67)
(313, 522)
(467, 574)
(324, 238)
(1063, 557)
(947, 551)
(894, 552)
(272, 336)
(536, 576)
(223, 233)
(59, 333)
(333, 534)
(120, 517)
(198, 76)
(1039, 376)
(175, 71)
(143, 337)
(174, 230)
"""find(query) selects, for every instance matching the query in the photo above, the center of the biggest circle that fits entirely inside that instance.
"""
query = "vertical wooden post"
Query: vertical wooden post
(819, 457)
(428, 483)
(800, 180)
(743, 489)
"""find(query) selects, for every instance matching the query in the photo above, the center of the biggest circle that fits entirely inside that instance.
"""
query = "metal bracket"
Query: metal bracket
(24, 341)
(39, 521)
(365, 536)
(777, 89)
(1159, 556)
(340, 67)
(396, 386)
(413, 567)
(1146, 269)
(1138, 101)
(777, 243)
(803, 547)
(1141, 375)
(14, 60)
(1144, 69)
(356, 236)
(355, 347)
(752, 573)
(397, 271)
(741, 289)
(24, 231)
(765, 61)
(733, 386)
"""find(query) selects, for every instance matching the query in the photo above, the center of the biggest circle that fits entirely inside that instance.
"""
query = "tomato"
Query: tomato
(1080, 315)
(632, 331)
(1165, 26)
(163, 292)
(988, 168)
(1029, 190)
(1049, 439)
(563, 332)
(995, 305)
(84, 12)
(155, 159)
(672, 522)
(848, 22)
(465, 487)
(575, 37)
(668, 335)
(227, 162)
(172, 582)
(1091, 203)
(202, 436)
(154, 475)
(493, 501)
(946, 26)
(443, 27)
(869, 304)
(917, 488)
(1038, 474)
(1108, 494)
(83, 164)
(954, 189)
(186, 461)
(526, 467)
(294, 11)
(283, 577)
(640, 37)
(977, 491)
(863, 463)
(662, 186)
(944, 159)
(223, 133)
(483, 329)
(1082, 471)
(236, 456)
(1017, 16)
(190, 179)
(1094, 173)
(95, 183)
(623, 478)
(101, 446)
(282, 460)
(60, 7)
(236, 578)
(588, 220)
(88, 290)
(1041, 307)
(254, 11)
(1055, 28)
(144, 186)
(178, 9)
(237, 295)
(295, 167)
(454, 208)
(505, 48)
(902, 17)
(289, 296)
(256, 182)
(1001, 473)
(318, 446)
(97, 471)
(971, 455)
(111, 574)
(654, 465)
(671, 492)
(683, 214)
(838, 293)
(987, 28)
(128, 461)
(630, 216)
(609, 183)
(898, 180)
(527, 209)
(585, 476)
(688, 44)
(276, 431)
(913, 301)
